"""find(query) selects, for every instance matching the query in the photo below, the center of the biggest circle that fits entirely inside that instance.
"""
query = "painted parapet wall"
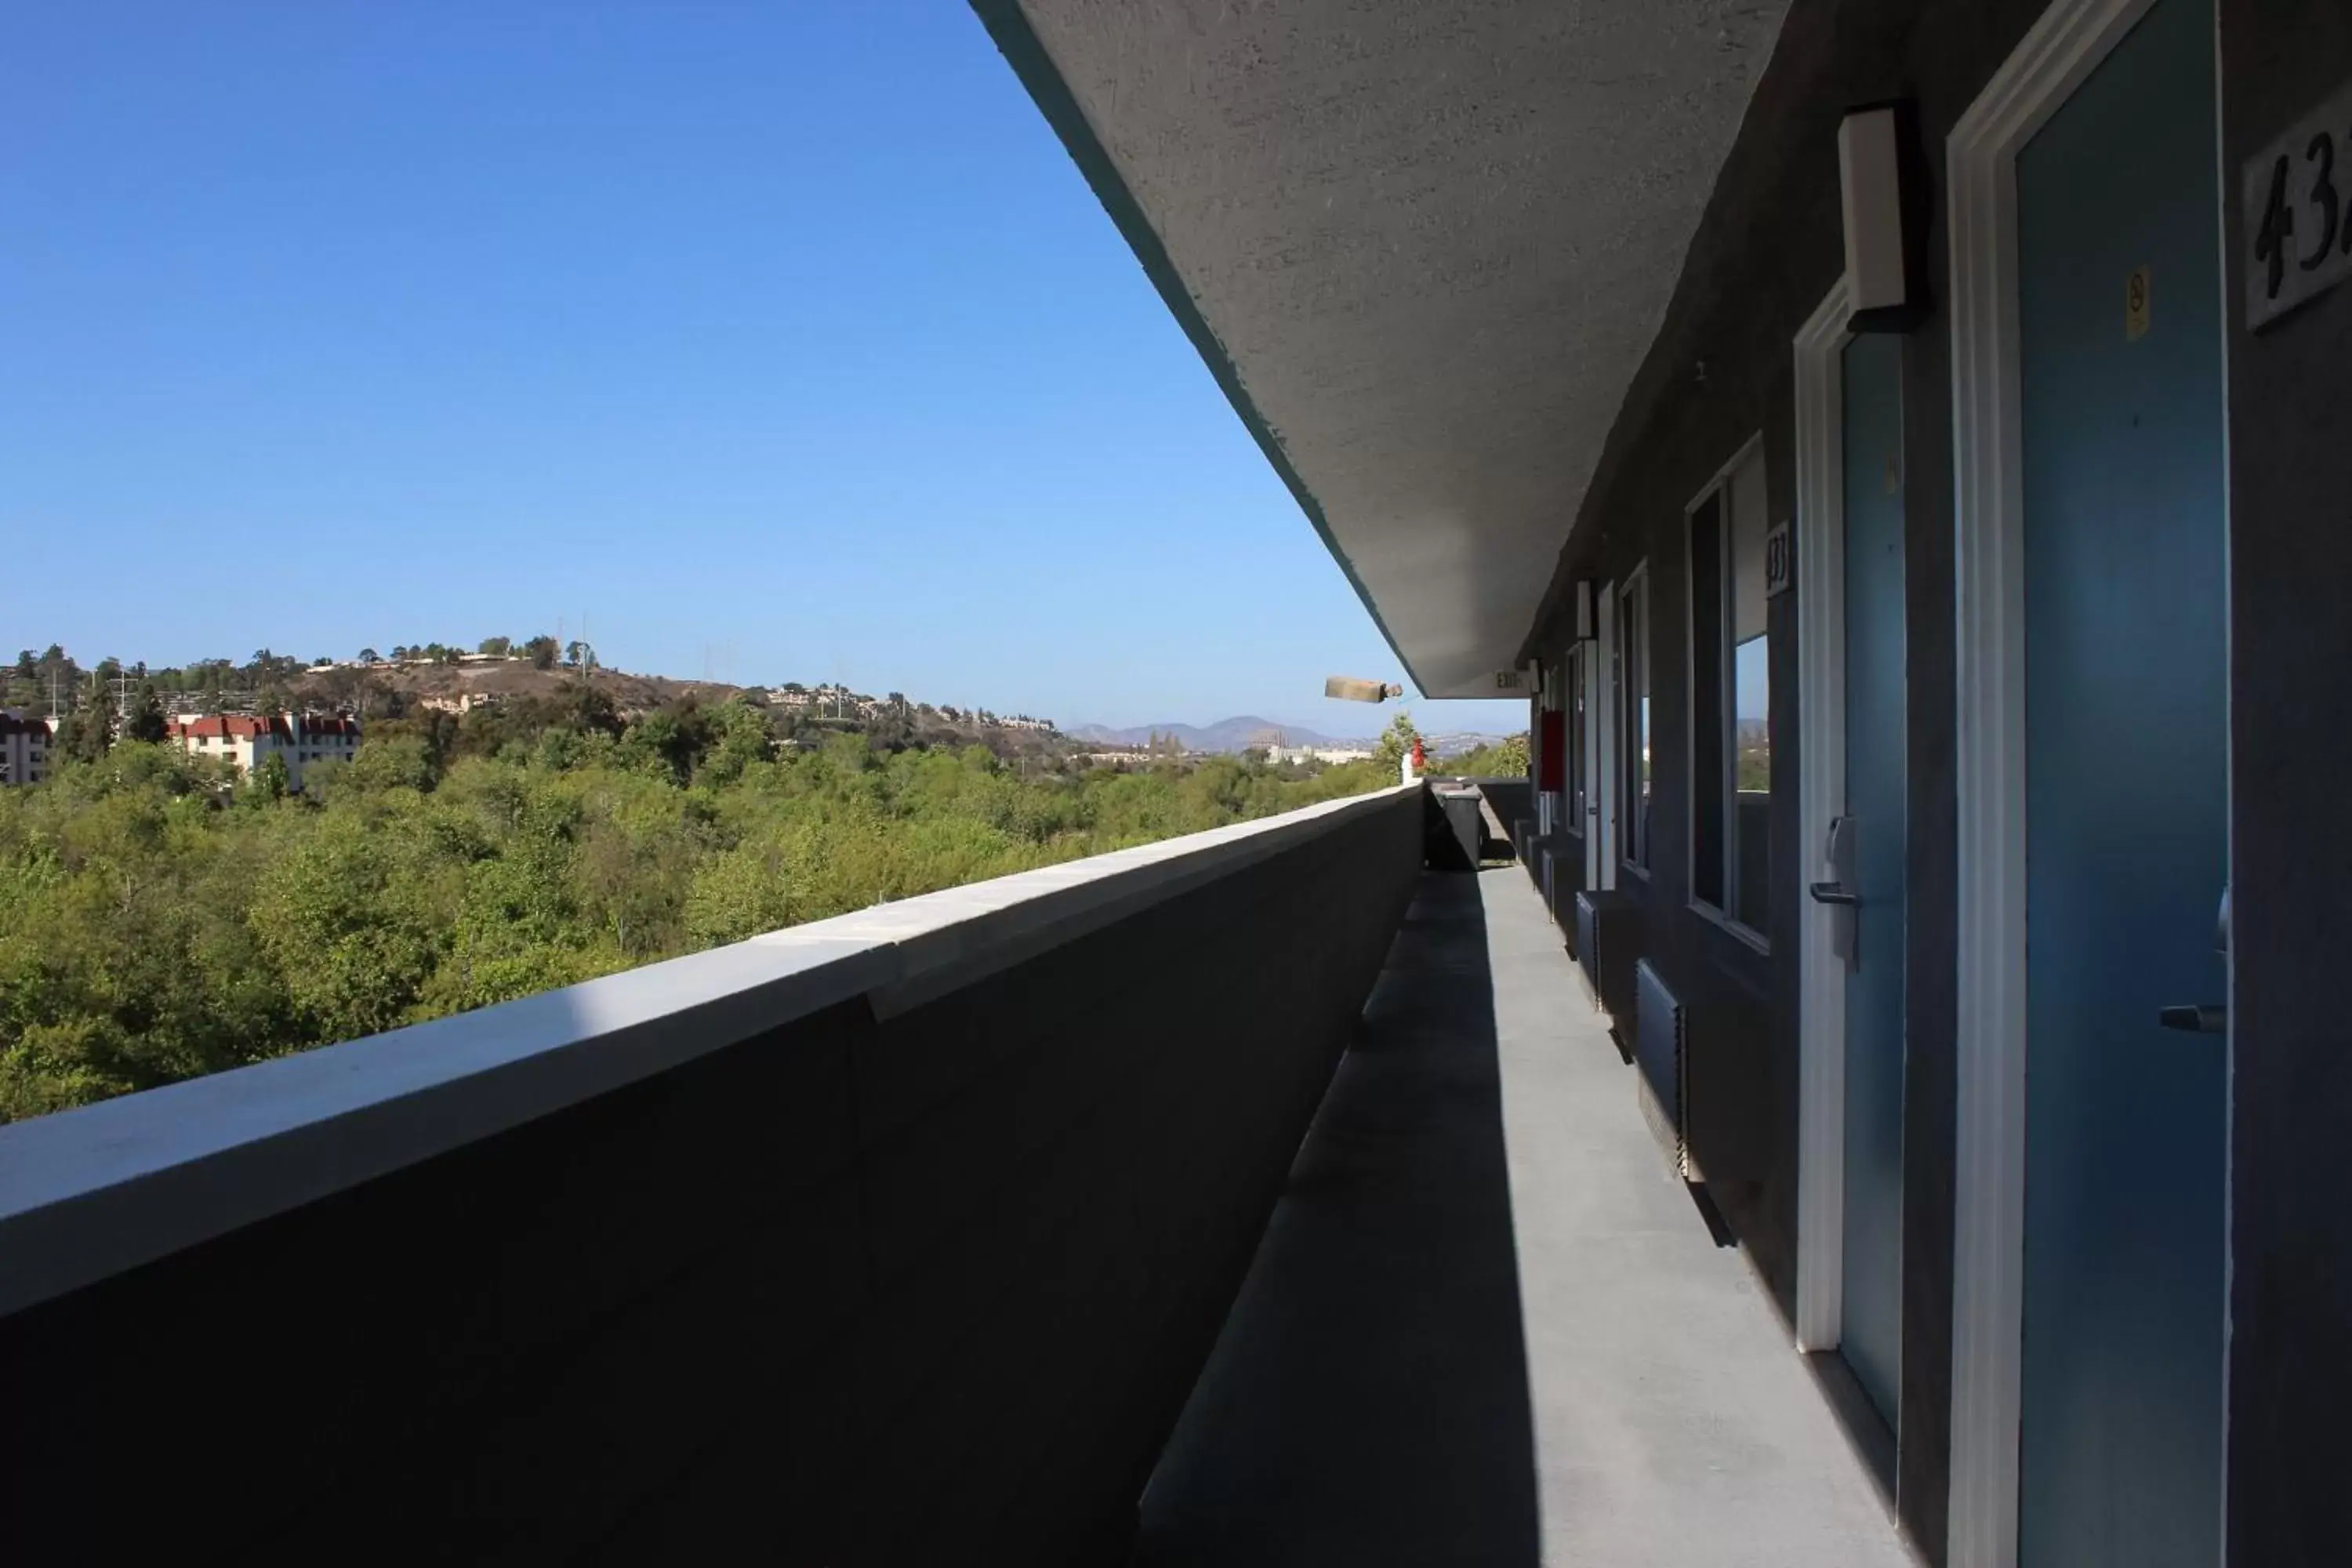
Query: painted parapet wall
(895, 1238)
(1513, 799)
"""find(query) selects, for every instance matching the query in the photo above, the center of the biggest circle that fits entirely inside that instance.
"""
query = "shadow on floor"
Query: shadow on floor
(1719, 1229)
(1367, 1402)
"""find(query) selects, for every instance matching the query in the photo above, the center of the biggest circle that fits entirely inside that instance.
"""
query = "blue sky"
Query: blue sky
(782, 341)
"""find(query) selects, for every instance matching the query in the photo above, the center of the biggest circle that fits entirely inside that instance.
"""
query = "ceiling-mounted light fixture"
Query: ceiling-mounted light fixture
(1883, 184)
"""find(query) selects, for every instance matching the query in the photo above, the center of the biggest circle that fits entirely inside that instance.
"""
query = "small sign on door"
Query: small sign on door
(1780, 563)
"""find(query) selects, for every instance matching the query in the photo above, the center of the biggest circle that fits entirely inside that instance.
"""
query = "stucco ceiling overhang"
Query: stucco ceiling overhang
(1423, 246)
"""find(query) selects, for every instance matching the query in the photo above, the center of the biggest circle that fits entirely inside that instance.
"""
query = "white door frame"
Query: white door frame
(1547, 702)
(1988, 761)
(1587, 675)
(1535, 751)
(1607, 787)
(1821, 795)
(1571, 677)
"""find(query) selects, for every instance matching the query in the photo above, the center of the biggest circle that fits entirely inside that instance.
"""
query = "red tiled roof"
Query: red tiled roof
(248, 726)
(241, 726)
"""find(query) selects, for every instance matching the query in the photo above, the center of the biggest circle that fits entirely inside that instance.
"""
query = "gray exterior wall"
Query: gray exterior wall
(1766, 255)
(2291, 840)
(924, 1285)
(1511, 799)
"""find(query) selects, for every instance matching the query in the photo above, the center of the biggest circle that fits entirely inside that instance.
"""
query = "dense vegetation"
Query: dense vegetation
(161, 918)
(1506, 759)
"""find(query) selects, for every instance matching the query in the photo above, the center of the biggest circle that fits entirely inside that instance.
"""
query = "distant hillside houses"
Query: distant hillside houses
(460, 702)
(793, 694)
(1329, 754)
(841, 701)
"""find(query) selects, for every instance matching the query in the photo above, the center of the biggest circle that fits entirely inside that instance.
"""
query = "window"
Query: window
(1731, 697)
(1634, 721)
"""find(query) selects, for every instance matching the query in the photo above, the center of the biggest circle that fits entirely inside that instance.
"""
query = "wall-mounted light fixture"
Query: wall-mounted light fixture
(1348, 688)
(1883, 182)
(1583, 609)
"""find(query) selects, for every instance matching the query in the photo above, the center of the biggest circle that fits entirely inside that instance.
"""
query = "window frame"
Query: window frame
(1571, 695)
(1718, 488)
(1635, 743)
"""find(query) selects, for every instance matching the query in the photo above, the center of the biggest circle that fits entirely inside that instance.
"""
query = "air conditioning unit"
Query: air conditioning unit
(1705, 1079)
(1608, 943)
(1563, 881)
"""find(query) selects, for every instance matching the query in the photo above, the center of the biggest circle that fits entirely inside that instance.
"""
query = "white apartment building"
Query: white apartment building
(24, 747)
(249, 740)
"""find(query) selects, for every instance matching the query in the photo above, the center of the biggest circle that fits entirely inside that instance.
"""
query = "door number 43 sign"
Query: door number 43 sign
(2298, 212)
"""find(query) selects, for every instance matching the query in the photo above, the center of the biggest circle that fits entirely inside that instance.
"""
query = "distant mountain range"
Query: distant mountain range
(1225, 735)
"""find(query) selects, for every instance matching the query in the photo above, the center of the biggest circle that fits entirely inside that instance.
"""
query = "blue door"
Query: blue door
(1872, 1337)
(2125, 723)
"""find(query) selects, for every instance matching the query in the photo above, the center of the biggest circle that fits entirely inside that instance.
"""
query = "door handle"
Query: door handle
(1832, 893)
(2195, 1019)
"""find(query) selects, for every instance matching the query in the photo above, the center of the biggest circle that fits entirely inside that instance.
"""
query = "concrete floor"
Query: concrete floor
(1487, 1325)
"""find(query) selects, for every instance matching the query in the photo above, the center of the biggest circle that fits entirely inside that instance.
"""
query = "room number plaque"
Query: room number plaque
(2298, 212)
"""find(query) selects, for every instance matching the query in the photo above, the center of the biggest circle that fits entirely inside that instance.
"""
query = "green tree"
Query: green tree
(147, 721)
(1395, 743)
(87, 733)
(739, 738)
(354, 917)
(270, 781)
(673, 738)
(496, 647)
(1507, 758)
(543, 651)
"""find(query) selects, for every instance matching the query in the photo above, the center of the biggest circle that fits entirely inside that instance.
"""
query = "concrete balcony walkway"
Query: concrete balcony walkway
(1487, 1325)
